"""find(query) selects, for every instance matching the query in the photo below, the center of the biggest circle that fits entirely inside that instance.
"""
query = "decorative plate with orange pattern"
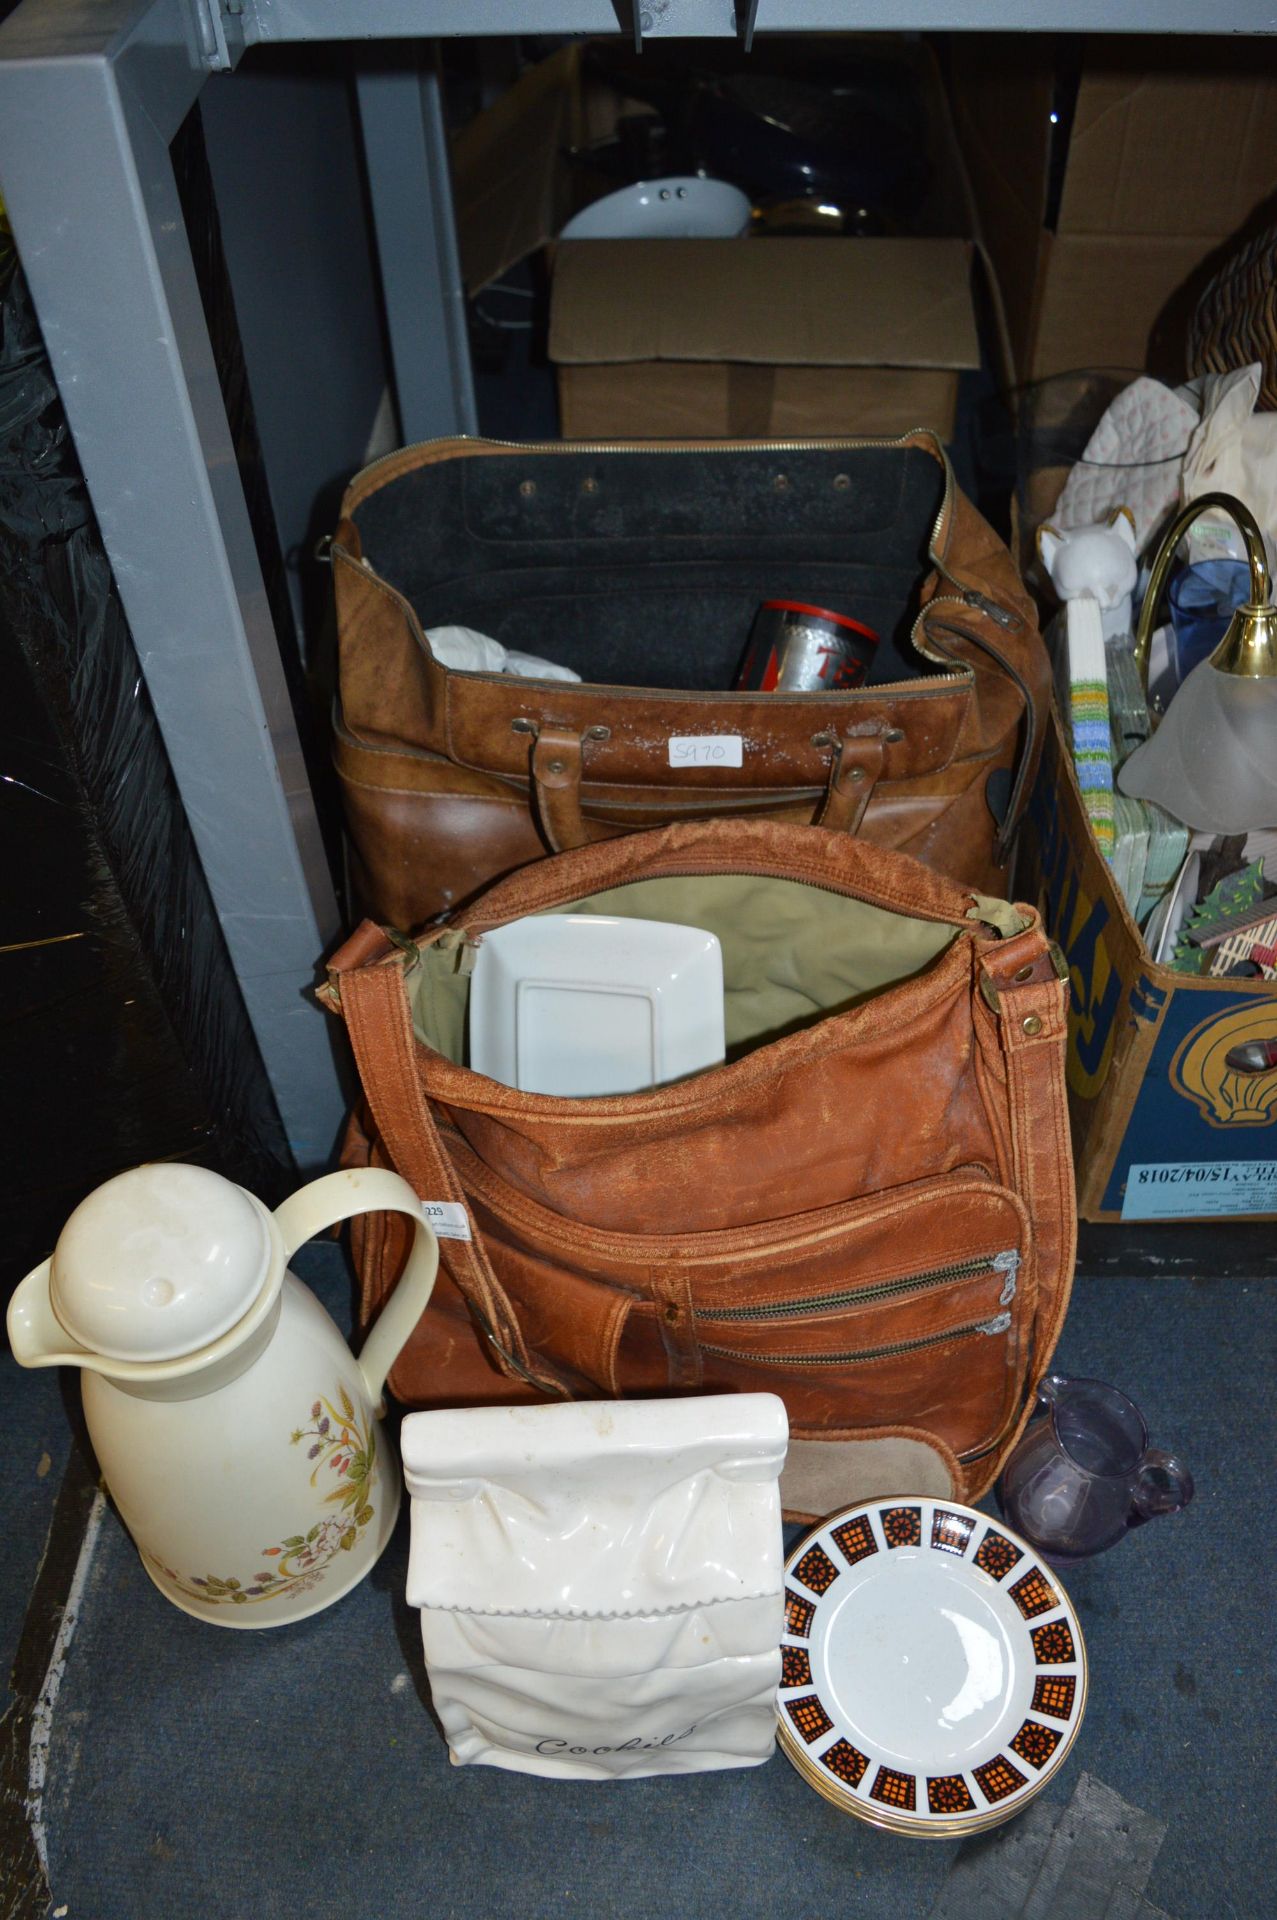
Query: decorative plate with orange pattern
(933, 1674)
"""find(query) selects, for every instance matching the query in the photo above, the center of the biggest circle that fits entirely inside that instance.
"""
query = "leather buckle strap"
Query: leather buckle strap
(1046, 963)
(853, 774)
(557, 761)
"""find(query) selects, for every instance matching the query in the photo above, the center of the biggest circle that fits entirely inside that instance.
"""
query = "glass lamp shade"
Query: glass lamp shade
(1213, 761)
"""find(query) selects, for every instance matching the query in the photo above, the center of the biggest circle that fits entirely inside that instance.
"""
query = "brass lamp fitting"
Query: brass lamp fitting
(1249, 646)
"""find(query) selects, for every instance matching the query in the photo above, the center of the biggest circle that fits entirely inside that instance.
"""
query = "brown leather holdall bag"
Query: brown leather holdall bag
(641, 568)
(868, 1209)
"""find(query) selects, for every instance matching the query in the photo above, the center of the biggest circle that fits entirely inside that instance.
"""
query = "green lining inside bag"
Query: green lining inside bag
(792, 953)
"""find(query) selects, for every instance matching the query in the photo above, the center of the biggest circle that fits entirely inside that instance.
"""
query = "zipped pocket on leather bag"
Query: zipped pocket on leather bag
(941, 1348)
(910, 1307)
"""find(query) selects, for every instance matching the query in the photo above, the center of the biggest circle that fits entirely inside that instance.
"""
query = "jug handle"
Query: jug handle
(1050, 1387)
(1163, 1485)
(340, 1196)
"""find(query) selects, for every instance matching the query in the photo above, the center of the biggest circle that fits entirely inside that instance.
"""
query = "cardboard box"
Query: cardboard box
(757, 339)
(749, 338)
(1162, 1128)
(512, 190)
(1109, 193)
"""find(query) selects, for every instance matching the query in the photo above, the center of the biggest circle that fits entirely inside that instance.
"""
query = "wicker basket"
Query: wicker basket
(1236, 319)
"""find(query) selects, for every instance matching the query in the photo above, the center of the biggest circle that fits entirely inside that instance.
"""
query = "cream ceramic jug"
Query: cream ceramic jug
(237, 1433)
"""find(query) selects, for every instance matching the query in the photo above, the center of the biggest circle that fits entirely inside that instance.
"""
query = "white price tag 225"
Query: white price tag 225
(707, 750)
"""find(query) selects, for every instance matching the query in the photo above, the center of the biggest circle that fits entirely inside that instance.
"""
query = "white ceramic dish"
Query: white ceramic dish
(684, 207)
(580, 1003)
(933, 1671)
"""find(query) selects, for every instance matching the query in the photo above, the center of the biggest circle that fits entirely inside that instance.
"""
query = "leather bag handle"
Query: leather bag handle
(557, 760)
(374, 1003)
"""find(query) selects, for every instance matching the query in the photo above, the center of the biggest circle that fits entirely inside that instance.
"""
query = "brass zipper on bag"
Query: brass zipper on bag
(1000, 1323)
(1001, 616)
(1007, 1264)
(1001, 917)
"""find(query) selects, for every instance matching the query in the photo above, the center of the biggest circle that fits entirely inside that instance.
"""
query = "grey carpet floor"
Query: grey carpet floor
(299, 1773)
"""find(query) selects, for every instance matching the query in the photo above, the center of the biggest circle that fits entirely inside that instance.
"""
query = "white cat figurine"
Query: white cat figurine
(1098, 562)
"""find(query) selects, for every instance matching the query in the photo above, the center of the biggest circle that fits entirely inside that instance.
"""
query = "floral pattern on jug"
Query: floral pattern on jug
(341, 1443)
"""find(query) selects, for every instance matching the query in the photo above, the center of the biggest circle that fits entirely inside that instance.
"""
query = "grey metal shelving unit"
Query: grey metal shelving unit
(92, 93)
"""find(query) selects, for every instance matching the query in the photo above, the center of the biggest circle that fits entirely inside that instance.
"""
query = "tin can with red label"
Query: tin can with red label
(796, 648)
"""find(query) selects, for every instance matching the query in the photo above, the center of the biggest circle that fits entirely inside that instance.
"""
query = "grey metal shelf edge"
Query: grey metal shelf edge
(91, 94)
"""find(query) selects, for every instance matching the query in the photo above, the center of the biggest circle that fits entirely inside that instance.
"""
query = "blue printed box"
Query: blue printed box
(1163, 1127)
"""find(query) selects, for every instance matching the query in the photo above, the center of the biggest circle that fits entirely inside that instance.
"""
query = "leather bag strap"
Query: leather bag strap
(378, 1018)
(1026, 764)
(1024, 981)
(676, 1317)
(558, 769)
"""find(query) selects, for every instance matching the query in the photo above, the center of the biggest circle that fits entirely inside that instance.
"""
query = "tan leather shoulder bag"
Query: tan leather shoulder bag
(868, 1209)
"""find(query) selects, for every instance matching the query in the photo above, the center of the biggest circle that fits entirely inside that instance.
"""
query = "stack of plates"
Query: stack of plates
(933, 1672)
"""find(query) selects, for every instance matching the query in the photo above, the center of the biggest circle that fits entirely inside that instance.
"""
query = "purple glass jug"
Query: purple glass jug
(1083, 1473)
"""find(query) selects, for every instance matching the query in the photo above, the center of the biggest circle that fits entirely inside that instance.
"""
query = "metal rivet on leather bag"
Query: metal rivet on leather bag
(1023, 973)
(856, 773)
(1032, 1024)
(556, 766)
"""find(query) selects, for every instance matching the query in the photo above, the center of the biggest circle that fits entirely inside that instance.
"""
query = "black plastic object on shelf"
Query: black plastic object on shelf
(123, 1036)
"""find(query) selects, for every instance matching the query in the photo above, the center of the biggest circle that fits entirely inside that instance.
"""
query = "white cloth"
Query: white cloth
(465, 651)
(1234, 450)
(1133, 460)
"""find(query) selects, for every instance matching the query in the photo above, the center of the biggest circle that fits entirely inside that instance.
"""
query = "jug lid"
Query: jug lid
(158, 1262)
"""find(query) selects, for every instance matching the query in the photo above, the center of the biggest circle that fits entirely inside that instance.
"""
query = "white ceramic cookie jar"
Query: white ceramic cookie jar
(237, 1433)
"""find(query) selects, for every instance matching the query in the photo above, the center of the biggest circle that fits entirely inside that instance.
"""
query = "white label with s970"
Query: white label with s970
(707, 750)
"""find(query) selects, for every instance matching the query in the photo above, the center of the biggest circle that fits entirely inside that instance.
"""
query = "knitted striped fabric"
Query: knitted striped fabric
(1089, 717)
(1089, 704)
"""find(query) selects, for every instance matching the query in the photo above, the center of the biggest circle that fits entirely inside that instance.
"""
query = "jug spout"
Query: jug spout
(36, 1335)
